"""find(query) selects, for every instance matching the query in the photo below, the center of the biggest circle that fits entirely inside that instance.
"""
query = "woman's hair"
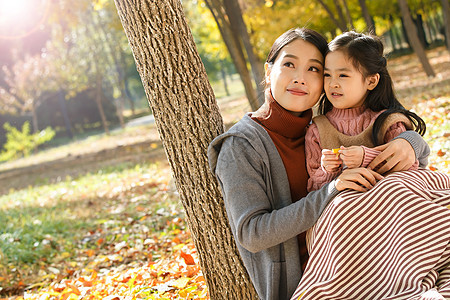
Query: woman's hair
(366, 54)
(305, 34)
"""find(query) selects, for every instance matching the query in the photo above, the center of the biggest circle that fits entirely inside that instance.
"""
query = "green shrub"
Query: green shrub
(20, 143)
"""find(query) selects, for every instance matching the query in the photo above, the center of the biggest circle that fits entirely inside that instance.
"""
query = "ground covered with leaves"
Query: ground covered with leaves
(116, 234)
(120, 232)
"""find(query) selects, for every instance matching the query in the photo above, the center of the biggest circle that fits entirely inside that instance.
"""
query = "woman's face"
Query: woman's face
(296, 76)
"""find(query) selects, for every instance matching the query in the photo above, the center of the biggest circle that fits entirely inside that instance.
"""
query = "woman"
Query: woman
(260, 166)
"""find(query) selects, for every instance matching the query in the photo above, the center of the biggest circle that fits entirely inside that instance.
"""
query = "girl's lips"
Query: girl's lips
(335, 95)
(297, 92)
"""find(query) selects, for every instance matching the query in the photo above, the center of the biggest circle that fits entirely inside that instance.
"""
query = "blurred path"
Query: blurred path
(141, 121)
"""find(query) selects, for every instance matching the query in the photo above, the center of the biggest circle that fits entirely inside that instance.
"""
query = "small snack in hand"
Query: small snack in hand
(336, 151)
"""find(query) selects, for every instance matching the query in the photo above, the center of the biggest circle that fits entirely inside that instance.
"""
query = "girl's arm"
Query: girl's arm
(318, 175)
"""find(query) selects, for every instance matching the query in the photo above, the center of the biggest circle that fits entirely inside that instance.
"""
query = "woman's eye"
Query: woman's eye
(326, 75)
(314, 69)
(343, 75)
(288, 64)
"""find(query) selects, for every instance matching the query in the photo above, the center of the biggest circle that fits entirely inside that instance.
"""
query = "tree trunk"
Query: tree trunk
(415, 43)
(340, 13)
(338, 23)
(234, 47)
(98, 100)
(418, 21)
(348, 15)
(113, 51)
(370, 25)
(224, 78)
(234, 12)
(34, 117)
(63, 106)
(446, 15)
(187, 118)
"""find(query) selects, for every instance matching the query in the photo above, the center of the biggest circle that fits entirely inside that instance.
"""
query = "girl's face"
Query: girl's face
(296, 76)
(345, 85)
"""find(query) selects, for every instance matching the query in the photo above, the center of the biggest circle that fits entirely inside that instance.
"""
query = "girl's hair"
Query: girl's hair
(366, 54)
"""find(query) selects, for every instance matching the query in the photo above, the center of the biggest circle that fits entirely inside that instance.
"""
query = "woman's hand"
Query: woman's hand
(358, 179)
(397, 155)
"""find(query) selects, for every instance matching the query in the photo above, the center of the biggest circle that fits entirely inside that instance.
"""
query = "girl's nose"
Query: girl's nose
(334, 84)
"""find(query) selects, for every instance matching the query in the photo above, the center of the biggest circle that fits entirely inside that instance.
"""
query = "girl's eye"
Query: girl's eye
(314, 69)
(288, 64)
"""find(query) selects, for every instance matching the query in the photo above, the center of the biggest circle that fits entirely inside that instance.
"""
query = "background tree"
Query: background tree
(210, 46)
(414, 39)
(341, 22)
(370, 25)
(234, 44)
(446, 14)
(187, 119)
(25, 87)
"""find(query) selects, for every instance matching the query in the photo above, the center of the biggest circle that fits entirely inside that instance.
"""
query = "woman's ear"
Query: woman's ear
(372, 81)
(267, 70)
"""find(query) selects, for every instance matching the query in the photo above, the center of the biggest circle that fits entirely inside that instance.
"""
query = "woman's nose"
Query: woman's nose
(300, 79)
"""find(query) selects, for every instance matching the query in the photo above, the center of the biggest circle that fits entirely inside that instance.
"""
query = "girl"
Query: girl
(360, 108)
(260, 166)
(393, 241)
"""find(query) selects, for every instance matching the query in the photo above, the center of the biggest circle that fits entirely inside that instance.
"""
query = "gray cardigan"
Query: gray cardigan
(263, 219)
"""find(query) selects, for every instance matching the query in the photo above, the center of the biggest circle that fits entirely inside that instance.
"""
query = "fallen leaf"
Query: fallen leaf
(188, 259)
(181, 282)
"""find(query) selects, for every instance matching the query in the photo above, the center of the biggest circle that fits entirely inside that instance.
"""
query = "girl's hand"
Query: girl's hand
(330, 160)
(397, 155)
(358, 179)
(352, 156)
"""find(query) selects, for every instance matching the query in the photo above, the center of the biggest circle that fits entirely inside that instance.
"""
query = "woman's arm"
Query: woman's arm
(241, 174)
(401, 153)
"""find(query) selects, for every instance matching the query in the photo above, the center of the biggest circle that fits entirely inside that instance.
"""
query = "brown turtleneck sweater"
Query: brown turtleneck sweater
(288, 134)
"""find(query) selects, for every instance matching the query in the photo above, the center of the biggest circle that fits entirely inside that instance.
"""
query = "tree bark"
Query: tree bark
(187, 118)
(446, 15)
(413, 38)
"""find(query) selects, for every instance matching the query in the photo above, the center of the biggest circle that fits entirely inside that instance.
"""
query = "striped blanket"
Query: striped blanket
(392, 242)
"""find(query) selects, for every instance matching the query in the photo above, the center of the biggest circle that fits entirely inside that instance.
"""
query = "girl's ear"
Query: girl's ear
(267, 70)
(372, 81)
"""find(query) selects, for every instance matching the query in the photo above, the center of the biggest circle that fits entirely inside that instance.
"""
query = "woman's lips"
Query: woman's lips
(297, 92)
